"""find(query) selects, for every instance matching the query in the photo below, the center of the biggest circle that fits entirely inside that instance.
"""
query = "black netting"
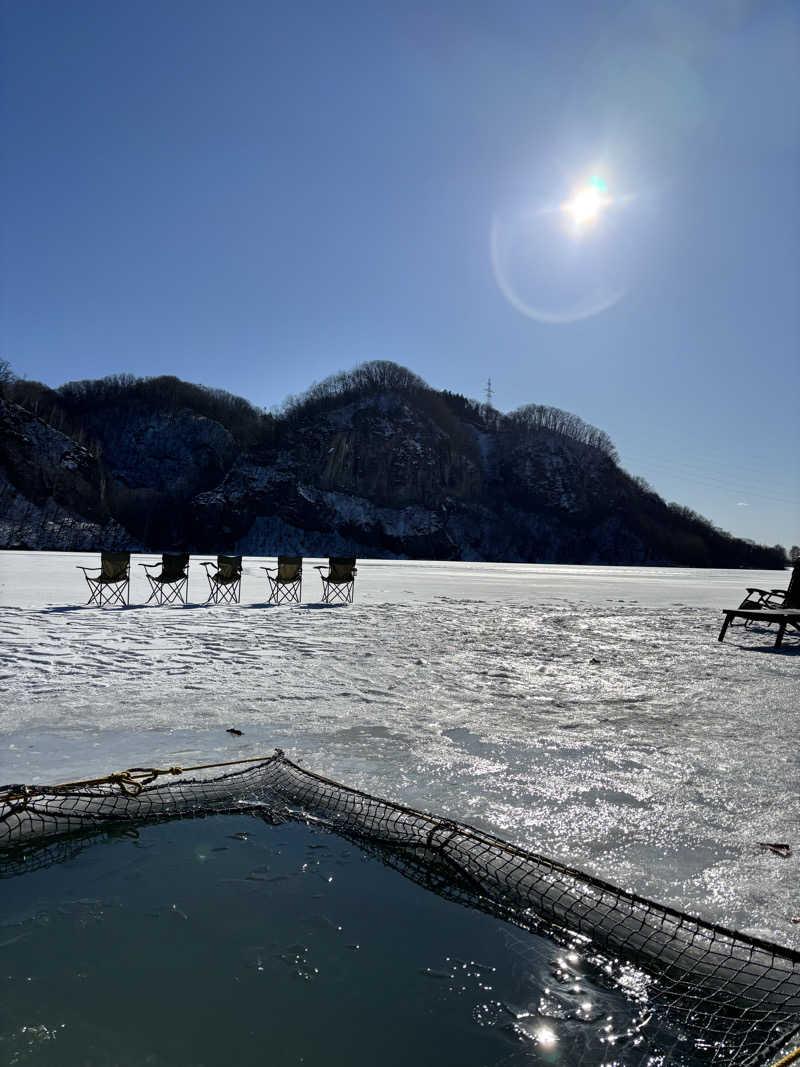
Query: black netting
(735, 996)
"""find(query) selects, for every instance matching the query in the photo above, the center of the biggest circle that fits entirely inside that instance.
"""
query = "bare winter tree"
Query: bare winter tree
(542, 417)
(7, 376)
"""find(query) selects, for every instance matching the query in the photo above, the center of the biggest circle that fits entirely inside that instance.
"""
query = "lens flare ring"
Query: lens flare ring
(558, 274)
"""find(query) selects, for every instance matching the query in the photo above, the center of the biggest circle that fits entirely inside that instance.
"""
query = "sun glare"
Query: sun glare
(586, 205)
(561, 260)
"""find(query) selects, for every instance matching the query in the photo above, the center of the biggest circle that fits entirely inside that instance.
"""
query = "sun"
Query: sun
(587, 204)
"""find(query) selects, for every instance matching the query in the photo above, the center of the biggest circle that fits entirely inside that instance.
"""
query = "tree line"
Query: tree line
(536, 417)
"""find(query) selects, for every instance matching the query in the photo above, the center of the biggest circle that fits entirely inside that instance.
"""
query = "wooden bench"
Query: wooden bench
(782, 616)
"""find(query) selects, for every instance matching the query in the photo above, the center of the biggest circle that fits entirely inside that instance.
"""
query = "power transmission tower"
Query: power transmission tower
(489, 393)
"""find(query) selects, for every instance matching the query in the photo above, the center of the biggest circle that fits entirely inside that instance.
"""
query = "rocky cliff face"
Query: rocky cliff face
(376, 475)
(52, 489)
(165, 451)
(395, 470)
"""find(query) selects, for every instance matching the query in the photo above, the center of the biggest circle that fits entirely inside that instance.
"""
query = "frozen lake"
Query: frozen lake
(587, 713)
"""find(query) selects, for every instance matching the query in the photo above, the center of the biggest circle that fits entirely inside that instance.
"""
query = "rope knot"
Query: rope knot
(445, 825)
(126, 782)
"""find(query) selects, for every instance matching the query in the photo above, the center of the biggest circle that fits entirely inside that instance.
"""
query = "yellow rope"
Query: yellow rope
(130, 782)
(791, 1058)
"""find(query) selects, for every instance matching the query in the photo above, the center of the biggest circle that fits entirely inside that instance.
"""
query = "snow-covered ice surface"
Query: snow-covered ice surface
(587, 713)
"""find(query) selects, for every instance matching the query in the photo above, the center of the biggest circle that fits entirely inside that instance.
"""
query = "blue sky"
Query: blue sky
(253, 196)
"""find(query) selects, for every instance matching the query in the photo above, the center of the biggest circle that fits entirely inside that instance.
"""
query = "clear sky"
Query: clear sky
(253, 195)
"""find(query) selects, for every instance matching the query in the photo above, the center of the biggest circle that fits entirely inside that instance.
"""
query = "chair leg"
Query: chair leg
(725, 626)
(224, 594)
(284, 593)
(114, 594)
(337, 593)
(175, 592)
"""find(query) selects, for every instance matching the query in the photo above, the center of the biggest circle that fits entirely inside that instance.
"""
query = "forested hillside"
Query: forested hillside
(371, 461)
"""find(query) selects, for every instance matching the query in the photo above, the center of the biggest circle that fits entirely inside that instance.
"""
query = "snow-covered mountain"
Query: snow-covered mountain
(371, 463)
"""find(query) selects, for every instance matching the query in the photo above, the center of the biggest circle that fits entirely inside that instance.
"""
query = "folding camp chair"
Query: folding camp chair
(171, 586)
(285, 580)
(224, 582)
(111, 585)
(338, 585)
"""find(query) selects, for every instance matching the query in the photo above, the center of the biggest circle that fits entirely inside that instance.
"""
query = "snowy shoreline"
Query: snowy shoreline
(588, 713)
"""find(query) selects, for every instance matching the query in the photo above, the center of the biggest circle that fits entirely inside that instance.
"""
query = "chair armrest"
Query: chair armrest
(320, 567)
(269, 570)
(148, 564)
(206, 563)
(777, 595)
(86, 569)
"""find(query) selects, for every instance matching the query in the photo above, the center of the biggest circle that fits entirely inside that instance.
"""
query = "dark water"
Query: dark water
(227, 941)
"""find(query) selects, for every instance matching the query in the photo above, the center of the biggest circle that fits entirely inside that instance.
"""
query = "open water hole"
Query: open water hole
(226, 940)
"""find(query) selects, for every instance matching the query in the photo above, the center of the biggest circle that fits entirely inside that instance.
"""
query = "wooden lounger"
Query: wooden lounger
(782, 616)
